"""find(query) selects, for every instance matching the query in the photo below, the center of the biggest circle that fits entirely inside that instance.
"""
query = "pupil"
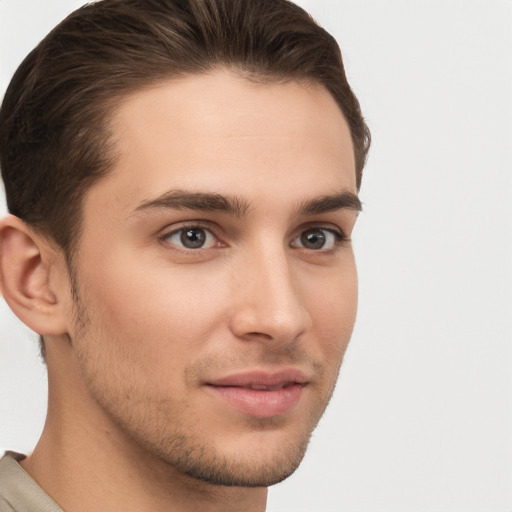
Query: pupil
(193, 238)
(314, 239)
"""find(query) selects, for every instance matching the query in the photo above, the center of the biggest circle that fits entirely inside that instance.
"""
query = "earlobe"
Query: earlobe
(26, 266)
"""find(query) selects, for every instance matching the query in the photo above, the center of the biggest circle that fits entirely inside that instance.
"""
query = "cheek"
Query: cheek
(333, 310)
(153, 308)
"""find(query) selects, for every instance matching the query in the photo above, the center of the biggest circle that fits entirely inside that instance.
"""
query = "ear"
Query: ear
(31, 277)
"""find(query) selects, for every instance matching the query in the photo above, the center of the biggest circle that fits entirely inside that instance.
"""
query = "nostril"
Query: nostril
(259, 334)
(269, 307)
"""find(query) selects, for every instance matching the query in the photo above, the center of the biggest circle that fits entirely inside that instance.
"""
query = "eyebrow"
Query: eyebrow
(238, 207)
(344, 200)
(200, 201)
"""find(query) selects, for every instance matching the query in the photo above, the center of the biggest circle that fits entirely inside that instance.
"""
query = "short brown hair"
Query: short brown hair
(54, 141)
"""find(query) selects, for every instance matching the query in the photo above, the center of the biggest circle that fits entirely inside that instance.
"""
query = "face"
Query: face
(215, 276)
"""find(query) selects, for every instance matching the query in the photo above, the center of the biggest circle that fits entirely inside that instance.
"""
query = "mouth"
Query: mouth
(259, 393)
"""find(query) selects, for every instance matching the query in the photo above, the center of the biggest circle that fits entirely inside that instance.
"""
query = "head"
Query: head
(194, 166)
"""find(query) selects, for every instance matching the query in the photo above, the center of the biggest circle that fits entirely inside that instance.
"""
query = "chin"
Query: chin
(257, 459)
(260, 470)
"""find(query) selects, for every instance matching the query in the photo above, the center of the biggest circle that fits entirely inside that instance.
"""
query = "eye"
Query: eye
(318, 239)
(192, 237)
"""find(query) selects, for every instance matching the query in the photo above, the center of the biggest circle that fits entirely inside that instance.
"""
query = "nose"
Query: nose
(269, 304)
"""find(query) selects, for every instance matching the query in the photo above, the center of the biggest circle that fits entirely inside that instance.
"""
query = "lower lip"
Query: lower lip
(260, 402)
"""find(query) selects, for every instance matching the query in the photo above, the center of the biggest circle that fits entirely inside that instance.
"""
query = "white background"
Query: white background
(421, 420)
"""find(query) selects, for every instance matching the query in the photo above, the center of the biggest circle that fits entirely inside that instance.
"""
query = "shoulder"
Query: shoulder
(18, 491)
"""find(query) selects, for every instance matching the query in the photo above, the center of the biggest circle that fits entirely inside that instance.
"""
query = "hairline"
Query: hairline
(108, 107)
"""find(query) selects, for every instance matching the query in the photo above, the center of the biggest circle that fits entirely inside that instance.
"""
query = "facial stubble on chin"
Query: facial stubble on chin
(170, 441)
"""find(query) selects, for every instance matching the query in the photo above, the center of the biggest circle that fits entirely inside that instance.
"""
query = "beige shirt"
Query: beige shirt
(18, 491)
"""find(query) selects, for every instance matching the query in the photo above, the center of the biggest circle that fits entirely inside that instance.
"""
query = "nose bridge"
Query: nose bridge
(269, 302)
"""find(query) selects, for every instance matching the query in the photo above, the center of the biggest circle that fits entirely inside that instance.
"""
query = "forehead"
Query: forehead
(222, 133)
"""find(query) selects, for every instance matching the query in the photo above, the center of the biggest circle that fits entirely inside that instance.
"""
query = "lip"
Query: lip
(260, 393)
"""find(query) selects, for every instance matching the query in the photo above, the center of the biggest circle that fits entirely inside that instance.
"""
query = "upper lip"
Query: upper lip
(261, 379)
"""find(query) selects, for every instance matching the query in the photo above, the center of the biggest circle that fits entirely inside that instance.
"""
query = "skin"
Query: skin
(132, 421)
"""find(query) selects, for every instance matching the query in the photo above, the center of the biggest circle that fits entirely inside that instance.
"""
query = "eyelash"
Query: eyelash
(195, 225)
(340, 239)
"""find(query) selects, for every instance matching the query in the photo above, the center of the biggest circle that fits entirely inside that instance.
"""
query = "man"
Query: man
(182, 181)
